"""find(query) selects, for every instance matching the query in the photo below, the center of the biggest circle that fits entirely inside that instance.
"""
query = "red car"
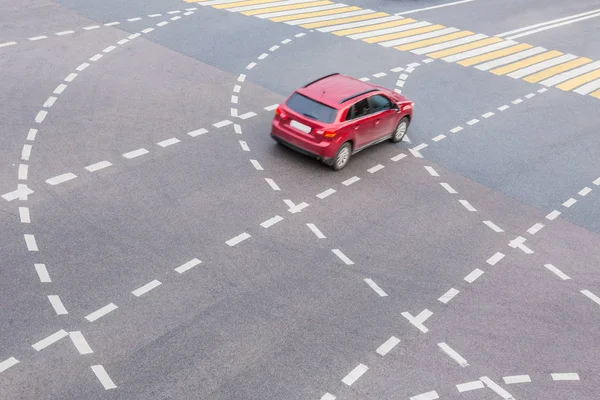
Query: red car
(336, 116)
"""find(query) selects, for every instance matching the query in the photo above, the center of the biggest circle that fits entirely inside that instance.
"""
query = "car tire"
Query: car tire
(400, 130)
(342, 157)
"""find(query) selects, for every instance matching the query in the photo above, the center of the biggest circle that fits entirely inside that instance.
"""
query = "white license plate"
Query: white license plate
(300, 126)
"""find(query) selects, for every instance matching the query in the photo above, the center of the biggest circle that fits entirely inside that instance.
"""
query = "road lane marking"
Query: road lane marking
(30, 242)
(272, 183)
(557, 271)
(98, 166)
(431, 171)
(163, 23)
(238, 239)
(512, 379)
(467, 205)
(237, 129)
(591, 296)
(376, 168)
(597, 181)
(326, 193)
(473, 275)
(271, 107)
(517, 101)
(147, 30)
(426, 396)
(535, 228)
(457, 129)
(504, 107)
(530, 27)
(49, 102)
(493, 226)
(434, 7)
(352, 22)
(355, 374)
(473, 121)
(518, 243)
(89, 28)
(244, 145)
(379, 74)
(468, 386)
(103, 377)
(271, 221)
(496, 388)
(223, 123)
(146, 288)
(99, 56)
(328, 396)
(375, 287)
(188, 265)
(49, 340)
(547, 27)
(168, 142)
(59, 89)
(387, 346)
(6, 44)
(493, 55)
(569, 376)
(32, 132)
(585, 191)
(438, 138)
(80, 343)
(419, 319)
(569, 202)
(415, 38)
(42, 273)
(530, 95)
(6, 364)
(23, 171)
(449, 295)
(342, 257)
(473, 53)
(415, 153)
(316, 231)
(449, 188)
(553, 215)
(41, 116)
(546, 65)
(101, 312)
(493, 260)
(510, 59)
(111, 48)
(256, 165)
(450, 352)
(488, 114)
(398, 157)
(350, 181)
(197, 132)
(82, 66)
(57, 304)
(135, 153)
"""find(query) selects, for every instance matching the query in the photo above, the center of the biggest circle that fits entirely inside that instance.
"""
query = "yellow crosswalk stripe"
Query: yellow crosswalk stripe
(285, 8)
(428, 42)
(338, 21)
(346, 32)
(243, 3)
(398, 35)
(556, 70)
(580, 80)
(526, 62)
(494, 54)
(314, 14)
(596, 94)
(464, 47)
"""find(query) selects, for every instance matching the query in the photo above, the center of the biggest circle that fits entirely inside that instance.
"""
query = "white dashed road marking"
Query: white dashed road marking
(223, 123)
(6, 364)
(586, 190)
(376, 168)
(565, 376)
(41, 115)
(342, 257)
(535, 228)
(467, 205)
(42, 273)
(350, 181)
(257, 165)
(98, 166)
(197, 132)
(244, 145)
(271, 221)
(449, 188)
(80, 343)
(238, 239)
(57, 304)
(438, 138)
(387, 346)
(473, 121)
(272, 183)
(569, 202)
(504, 107)
(188, 265)
(103, 377)
(398, 157)
(50, 101)
(99, 56)
(168, 142)
(493, 226)
(328, 396)
(326, 193)
(473, 275)
(493, 260)
(431, 171)
(453, 354)
(426, 396)
(457, 129)
(591, 296)
(135, 153)
(419, 319)
(375, 287)
(449, 295)
(488, 114)
(146, 288)
(509, 380)
(55, 337)
(557, 272)
(24, 215)
(101, 312)
(316, 231)
(355, 374)
(468, 386)
(59, 89)
(496, 388)
(30, 242)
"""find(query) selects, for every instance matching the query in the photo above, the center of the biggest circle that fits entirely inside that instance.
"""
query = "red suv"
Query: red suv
(336, 116)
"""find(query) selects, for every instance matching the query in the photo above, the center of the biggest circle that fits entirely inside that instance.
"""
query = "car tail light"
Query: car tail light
(279, 113)
(326, 133)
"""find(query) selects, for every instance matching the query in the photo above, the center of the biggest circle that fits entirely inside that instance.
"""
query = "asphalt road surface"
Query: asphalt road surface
(157, 244)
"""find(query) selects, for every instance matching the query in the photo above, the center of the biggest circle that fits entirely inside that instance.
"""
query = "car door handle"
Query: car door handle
(355, 127)
(377, 121)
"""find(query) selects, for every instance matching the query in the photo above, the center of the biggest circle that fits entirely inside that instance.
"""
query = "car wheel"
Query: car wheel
(400, 130)
(342, 156)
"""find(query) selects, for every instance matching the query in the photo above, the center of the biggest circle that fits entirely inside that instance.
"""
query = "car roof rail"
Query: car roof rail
(345, 99)
(321, 78)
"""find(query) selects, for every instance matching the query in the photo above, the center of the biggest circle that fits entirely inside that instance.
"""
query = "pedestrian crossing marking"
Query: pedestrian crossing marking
(494, 54)
(411, 32)
(580, 80)
(315, 14)
(556, 70)
(346, 32)
(287, 7)
(358, 18)
(428, 42)
(526, 63)
(464, 47)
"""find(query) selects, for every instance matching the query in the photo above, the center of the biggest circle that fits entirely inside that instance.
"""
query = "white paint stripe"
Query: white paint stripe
(342, 257)
(6, 364)
(271, 221)
(468, 386)
(174, 12)
(557, 272)
(359, 24)
(415, 153)
(162, 23)
(168, 142)
(449, 295)
(416, 38)
(267, 5)
(473, 275)
(23, 172)
(473, 121)
(504, 107)
(55, 337)
(257, 165)
(375, 287)
(569, 202)
(82, 66)
(509, 380)
(300, 11)
(376, 168)
(385, 31)
(451, 43)
(588, 87)
(449, 188)
(596, 182)
(453, 354)
(467, 205)
(60, 88)
(244, 145)
(350, 181)
(6, 44)
(426, 396)
(64, 33)
(238, 239)
(223, 123)
(98, 166)
(553, 215)
(355, 374)
(188, 265)
(316, 231)
(42, 273)
(272, 183)
(101, 312)
(457, 129)
(135, 153)
(479, 51)
(419, 319)
(103, 377)
(271, 107)
(496, 388)
(248, 115)
(520, 73)
(527, 28)
(251, 65)
(398, 157)
(420, 147)
(35, 38)
(41, 115)
(400, 83)
(237, 88)
(134, 19)
(438, 138)
(31, 134)
(326, 193)
(545, 28)
(431, 171)
(136, 35)
(147, 30)
(517, 101)
(510, 58)
(493, 260)
(146, 288)
(24, 215)
(89, 28)
(569, 376)
(234, 99)
(80, 343)
(379, 75)
(112, 23)
(493, 226)
(108, 49)
(434, 7)
(330, 17)
(585, 191)
(387, 346)
(591, 296)
(274, 47)
(96, 57)
(30, 242)
(57, 304)
(328, 396)
(241, 78)
(488, 114)
(535, 228)
(428, 60)
(530, 95)
(300, 34)
(197, 132)
(542, 90)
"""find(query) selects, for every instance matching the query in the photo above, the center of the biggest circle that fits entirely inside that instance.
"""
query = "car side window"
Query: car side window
(379, 103)
(358, 109)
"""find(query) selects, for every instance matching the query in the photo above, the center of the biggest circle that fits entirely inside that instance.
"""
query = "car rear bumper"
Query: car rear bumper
(324, 150)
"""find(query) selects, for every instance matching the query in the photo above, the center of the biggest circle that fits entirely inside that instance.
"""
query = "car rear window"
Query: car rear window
(311, 109)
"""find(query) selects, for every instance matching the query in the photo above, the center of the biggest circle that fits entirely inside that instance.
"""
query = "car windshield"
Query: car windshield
(311, 109)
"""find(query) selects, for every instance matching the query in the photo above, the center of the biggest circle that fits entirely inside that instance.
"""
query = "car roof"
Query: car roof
(331, 89)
